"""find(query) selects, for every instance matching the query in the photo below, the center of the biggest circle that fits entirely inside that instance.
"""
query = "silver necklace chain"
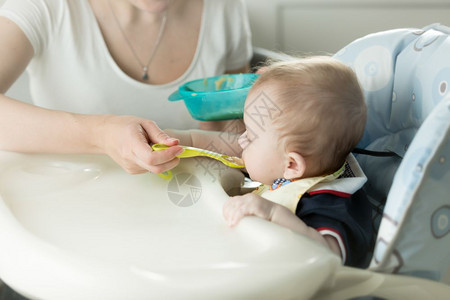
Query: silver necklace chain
(155, 47)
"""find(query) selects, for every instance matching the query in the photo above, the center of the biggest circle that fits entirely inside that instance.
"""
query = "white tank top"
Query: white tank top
(72, 69)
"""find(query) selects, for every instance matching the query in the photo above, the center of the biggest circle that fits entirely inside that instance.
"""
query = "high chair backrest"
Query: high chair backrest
(405, 75)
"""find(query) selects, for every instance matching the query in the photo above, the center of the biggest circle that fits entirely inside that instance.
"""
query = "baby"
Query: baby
(303, 118)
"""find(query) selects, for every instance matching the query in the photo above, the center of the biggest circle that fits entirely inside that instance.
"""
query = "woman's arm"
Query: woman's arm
(15, 53)
(27, 128)
(253, 205)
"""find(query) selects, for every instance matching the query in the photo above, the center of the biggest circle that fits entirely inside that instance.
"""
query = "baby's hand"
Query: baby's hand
(250, 204)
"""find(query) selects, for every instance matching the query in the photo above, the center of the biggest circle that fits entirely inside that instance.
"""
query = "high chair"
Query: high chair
(405, 75)
(79, 227)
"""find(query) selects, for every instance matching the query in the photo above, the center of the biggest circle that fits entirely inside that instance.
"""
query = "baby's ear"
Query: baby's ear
(295, 166)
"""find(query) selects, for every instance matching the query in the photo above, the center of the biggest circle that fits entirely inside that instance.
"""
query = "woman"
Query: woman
(100, 70)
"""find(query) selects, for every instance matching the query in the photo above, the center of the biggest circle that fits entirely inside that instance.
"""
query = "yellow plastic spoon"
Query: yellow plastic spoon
(230, 161)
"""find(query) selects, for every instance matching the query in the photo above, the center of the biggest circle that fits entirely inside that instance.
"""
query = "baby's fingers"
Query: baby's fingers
(234, 210)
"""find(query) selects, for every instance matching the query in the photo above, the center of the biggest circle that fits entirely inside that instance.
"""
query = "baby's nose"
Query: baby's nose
(242, 140)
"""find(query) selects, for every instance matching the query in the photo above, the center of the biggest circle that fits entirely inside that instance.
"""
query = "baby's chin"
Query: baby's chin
(266, 181)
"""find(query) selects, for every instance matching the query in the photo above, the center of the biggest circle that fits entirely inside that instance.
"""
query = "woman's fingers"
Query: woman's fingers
(159, 161)
(156, 135)
(128, 142)
(156, 161)
(160, 168)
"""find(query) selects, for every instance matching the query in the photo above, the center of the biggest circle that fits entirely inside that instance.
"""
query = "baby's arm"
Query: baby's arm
(253, 205)
(218, 141)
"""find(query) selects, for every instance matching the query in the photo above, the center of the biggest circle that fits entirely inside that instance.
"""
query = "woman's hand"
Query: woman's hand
(127, 140)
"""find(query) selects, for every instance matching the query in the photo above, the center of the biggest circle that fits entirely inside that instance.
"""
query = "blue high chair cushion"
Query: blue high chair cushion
(414, 236)
(405, 76)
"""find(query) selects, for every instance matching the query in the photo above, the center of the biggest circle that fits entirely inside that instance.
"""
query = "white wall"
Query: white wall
(318, 26)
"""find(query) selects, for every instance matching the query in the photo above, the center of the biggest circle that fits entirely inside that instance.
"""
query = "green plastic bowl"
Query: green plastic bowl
(216, 98)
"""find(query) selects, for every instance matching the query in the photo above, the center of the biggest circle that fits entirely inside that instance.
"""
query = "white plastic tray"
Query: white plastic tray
(79, 227)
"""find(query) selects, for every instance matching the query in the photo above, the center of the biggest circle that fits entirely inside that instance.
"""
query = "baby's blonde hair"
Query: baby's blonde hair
(323, 113)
